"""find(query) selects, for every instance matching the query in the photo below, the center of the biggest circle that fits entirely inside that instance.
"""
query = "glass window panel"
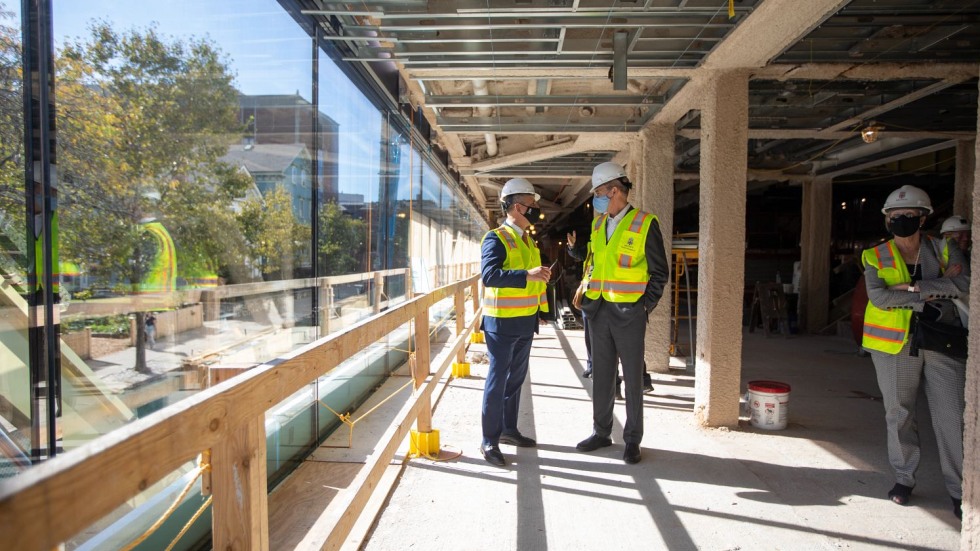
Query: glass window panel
(185, 148)
(15, 405)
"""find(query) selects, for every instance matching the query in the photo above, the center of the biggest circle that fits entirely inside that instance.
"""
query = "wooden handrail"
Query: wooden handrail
(40, 509)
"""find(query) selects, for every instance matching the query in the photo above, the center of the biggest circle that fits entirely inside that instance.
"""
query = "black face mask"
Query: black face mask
(904, 226)
(533, 214)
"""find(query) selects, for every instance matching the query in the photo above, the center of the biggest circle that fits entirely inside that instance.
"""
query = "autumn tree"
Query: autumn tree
(11, 120)
(142, 122)
(341, 241)
(277, 242)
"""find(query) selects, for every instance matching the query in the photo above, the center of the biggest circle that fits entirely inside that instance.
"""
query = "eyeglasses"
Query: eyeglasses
(602, 191)
(908, 214)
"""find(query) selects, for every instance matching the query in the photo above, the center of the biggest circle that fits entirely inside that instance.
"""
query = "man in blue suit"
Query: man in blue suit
(514, 292)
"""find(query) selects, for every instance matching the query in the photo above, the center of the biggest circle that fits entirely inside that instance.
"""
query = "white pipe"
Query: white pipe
(480, 89)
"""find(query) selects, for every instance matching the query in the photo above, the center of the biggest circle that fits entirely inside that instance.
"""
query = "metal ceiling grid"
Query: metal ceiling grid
(907, 31)
(518, 87)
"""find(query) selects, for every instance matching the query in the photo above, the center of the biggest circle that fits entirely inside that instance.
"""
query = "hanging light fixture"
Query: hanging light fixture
(870, 133)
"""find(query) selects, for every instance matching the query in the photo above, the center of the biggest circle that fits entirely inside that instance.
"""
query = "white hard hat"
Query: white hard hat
(606, 172)
(907, 197)
(518, 186)
(955, 223)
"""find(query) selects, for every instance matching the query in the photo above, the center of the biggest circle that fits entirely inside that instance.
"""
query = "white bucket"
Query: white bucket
(769, 404)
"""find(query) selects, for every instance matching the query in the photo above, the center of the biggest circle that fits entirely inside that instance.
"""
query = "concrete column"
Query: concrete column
(815, 254)
(970, 530)
(721, 248)
(656, 157)
(966, 160)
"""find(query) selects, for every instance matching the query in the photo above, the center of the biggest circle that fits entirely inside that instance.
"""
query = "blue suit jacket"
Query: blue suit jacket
(492, 257)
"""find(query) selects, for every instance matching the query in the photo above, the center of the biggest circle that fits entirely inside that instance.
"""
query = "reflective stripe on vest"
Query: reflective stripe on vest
(162, 274)
(886, 330)
(620, 265)
(503, 302)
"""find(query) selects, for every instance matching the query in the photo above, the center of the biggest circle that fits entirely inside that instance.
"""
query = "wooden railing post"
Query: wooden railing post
(460, 321)
(379, 282)
(422, 367)
(328, 311)
(409, 294)
(240, 511)
(212, 305)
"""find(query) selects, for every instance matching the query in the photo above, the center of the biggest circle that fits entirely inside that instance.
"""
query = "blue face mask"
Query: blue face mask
(600, 204)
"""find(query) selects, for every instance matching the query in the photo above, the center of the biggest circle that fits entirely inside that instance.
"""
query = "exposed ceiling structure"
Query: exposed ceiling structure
(546, 89)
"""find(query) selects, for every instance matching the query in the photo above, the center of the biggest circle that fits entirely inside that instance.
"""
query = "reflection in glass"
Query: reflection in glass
(15, 403)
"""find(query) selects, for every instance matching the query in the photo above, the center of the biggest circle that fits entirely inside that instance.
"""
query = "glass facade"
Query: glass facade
(218, 192)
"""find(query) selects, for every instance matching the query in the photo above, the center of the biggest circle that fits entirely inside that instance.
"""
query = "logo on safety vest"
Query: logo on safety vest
(629, 245)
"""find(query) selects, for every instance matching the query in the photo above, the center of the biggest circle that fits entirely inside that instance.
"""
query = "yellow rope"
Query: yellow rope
(345, 418)
(173, 507)
(190, 523)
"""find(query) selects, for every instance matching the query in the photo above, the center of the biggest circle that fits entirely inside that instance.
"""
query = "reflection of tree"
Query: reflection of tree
(341, 241)
(273, 235)
(11, 118)
(142, 122)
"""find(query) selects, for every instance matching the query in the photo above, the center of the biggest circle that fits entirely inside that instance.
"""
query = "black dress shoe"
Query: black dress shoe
(632, 453)
(491, 452)
(517, 439)
(647, 382)
(958, 508)
(593, 443)
(587, 374)
(900, 493)
(619, 392)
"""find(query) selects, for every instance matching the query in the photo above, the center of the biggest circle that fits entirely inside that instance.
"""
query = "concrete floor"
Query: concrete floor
(818, 484)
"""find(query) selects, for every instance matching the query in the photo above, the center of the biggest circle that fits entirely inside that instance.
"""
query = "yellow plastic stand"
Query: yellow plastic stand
(424, 443)
(461, 369)
(477, 337)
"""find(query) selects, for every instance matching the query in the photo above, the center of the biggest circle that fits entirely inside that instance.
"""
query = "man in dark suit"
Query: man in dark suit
(629, 273)
(514, 292)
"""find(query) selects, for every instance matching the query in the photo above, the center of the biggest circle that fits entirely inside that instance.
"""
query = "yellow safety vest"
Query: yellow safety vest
(887, 330)
(506, 302)
(39, 259)
(162, 274)
(619, 272)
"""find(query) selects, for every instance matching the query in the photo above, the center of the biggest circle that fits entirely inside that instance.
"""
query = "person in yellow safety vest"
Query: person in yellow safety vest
(514, 292)
(956, 229)
(38, 336)
(161, 274)
(907, 278)
(629, 275)
(37, 285)
(584, 254)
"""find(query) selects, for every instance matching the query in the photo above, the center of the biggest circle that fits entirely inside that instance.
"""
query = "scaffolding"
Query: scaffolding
(684, 253)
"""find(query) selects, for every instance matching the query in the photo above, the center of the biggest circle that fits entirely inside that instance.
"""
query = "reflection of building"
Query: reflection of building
(352, 204)
(288, 119)
(272, 165)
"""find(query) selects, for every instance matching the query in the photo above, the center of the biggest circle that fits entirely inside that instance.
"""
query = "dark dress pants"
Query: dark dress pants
(617, 330)
(509, 358)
